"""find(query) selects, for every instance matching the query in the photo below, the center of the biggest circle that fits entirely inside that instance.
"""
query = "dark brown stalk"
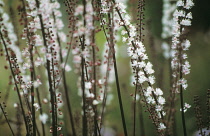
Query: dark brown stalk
(53, 84)
(208, 109)
(15, 81)
(134, 103)
(133, 44)
(105, 90)
(115, 69)
(116, 74)
(153, 115)
(40, 104)
(94, 74)
(141, 118)
(6, 119)
(66, 92)
(198, 116)
(108, 71)
(182, 100)
(65, 85)
(84, 120)
(32, 90)
(134, 110)
(140, 13)
(52, 93)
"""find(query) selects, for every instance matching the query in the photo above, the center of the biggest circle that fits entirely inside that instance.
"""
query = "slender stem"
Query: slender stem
(16, 86)
(182, 107)
(134, 112)
(7, 119)
(119, 95)
(31, 68)
(145, 73)
(52, 93)
(94, 73)
(105, 90)
(32, 91)
(40, 104)
(141, 118)
(84, 128)
(116, 75)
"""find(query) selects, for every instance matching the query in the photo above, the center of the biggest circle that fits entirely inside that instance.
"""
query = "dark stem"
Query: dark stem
(105, 90)
(32, 90)
(52, 93)
(7, 119)
(84, 127)
(94, 74)
(134, 111)
(116, 75)
(182, 104)
(141, 118)
(16, 86)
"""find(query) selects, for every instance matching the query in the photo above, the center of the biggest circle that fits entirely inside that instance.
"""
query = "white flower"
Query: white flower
(37, 83)
(186, 44)
(151, 79)
(67, 67)
(186, 68)
(161, 126)
(158, 108)
(148, 68)
(43, 118)
(88, 85)
(151, 100)
(15, 105)
(37, 107)
(158, 91)
(45, 100)
(141, 64)
(183, 82)
(130, 51)
(142, 77)
(49, 56)
(95, 102)
(189, 15)
(186, 22)
(26, 66)
(89, 95)
(186, 106)
(59, 128)
(161, 100)
(189, 4)
(148, 91)
(121, 7)
(180, 3)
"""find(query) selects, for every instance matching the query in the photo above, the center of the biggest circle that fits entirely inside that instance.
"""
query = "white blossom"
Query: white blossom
(43, 118)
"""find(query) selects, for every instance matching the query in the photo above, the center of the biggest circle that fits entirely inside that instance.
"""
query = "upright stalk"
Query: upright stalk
(52, 93)
(7, 119)
(116, 75)
(182, 103)
(84, 120)
(16, 86)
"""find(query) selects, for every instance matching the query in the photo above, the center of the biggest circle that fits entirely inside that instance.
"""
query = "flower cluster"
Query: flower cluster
(141, 65)
(186, 106)
(182, 19)
(8, 28)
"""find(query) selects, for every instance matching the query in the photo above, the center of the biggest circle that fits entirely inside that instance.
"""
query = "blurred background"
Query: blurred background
(198, 79)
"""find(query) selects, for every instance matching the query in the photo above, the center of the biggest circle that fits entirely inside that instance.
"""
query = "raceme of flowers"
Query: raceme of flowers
(182, 19)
